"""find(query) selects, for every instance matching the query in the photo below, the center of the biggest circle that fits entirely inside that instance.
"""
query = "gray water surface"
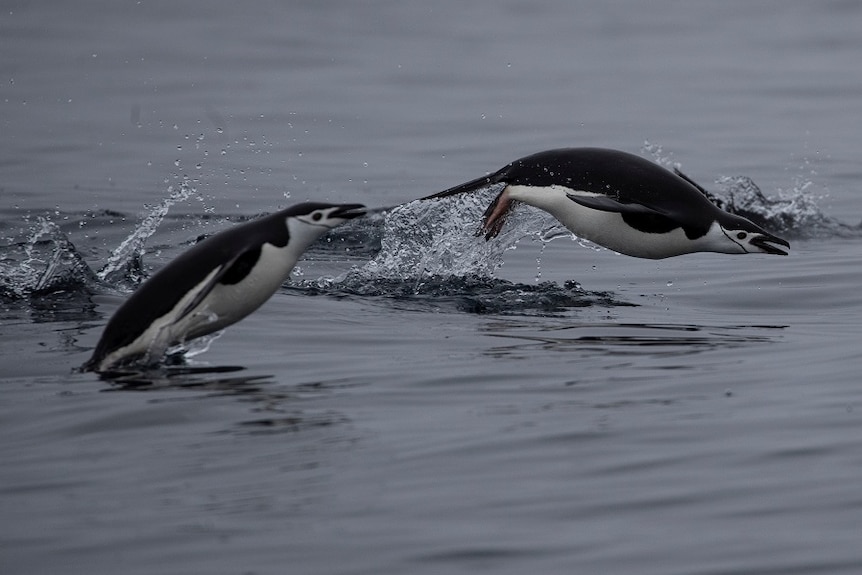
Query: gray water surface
(416, 400)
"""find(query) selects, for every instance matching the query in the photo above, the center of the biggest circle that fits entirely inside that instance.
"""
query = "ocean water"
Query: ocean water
(414, 399)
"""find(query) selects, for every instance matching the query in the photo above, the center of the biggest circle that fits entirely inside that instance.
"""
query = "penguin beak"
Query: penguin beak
(348, 211)
(764, 240)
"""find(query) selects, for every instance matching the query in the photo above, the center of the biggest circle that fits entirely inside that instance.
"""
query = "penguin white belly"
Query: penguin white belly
(607, 229)
(224, 305)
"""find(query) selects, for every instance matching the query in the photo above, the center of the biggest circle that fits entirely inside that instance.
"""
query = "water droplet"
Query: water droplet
(669, 284)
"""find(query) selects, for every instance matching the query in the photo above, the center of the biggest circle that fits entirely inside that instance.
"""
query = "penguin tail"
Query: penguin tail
(471, 186)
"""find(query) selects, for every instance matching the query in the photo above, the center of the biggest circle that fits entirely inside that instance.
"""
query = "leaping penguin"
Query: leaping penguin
(214, 284)
(621, 201)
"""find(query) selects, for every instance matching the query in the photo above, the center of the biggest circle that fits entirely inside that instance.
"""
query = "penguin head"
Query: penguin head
(310, 220)
(326, 215)
(751, 238)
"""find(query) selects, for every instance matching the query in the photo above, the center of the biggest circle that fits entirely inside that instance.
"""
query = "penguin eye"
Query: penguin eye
(316, 216)
(741, 235)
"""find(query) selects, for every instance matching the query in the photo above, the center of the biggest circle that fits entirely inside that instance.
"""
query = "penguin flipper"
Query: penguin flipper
(606, 204)
(638, 216)
(230, 272)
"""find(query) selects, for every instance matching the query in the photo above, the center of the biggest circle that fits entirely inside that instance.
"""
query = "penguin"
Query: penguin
(214, 284)
(620, 201)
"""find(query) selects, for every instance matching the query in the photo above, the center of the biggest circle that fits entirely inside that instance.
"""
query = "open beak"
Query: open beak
(764, 241)
(349, 211)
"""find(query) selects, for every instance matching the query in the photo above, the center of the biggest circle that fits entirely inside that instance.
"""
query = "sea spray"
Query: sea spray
(439, 238)
(47, 262)
(793, 212)
(431, 257)
(124, 263)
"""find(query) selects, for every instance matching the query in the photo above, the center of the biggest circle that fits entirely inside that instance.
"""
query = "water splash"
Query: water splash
(794, 212)
(44, 263)
(431, 257)
(202, 344)
(124, 265)
(46, 260)
(659, 156)
(424, 239)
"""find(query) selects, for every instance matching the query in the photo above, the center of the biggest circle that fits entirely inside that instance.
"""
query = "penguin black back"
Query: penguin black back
(622, 177)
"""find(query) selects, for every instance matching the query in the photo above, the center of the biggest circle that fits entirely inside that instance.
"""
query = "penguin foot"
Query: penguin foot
(495, 216)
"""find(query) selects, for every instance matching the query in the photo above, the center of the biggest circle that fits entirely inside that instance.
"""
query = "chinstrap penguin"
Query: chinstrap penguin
(214, 284)
(620, 201)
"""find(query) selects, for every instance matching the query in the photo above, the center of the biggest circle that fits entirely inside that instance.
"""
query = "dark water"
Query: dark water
(415, 400)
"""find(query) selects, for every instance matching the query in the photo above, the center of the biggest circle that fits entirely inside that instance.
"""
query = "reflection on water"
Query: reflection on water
(290, 422)
(622, 339)
(273, 408)
(208, 378)
(466, 293)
